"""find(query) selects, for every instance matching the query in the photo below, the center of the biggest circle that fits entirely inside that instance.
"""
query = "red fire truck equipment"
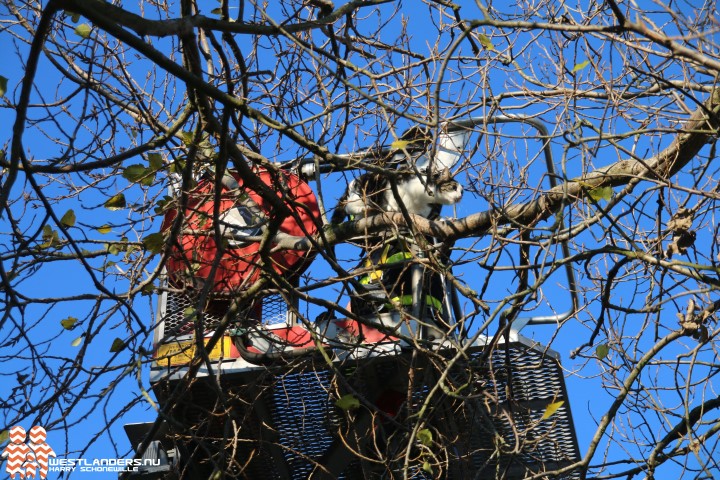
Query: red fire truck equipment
(242, 216)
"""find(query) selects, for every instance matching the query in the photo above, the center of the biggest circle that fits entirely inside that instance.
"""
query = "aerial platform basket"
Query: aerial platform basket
(285, 420)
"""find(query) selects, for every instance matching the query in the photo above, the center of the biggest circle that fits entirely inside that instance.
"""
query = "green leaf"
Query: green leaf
(148, 289)
(68, 219)
(154, 243)
(347, 402)
(68, 323)
(3, 86)
(117, 346)
(485, 42)
(427, 467)
(116, 203)
(602, 351)
(77, 341)
(47, 232)
(552, 408)
(49, 236)
(601, 193)
(83, 30)
(155, 160)
(74, 17)
(114, 249)
(399, 144)
(105, 229)
(136, 173)
(425, 437)
(187, 138)
(580, 66)
(163, 204)
(4, 435)
(189, 313)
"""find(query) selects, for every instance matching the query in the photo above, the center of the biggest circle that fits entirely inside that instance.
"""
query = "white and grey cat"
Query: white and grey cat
(422, 194)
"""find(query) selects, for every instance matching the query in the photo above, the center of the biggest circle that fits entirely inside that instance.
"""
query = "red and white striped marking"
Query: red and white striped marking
(16, 452)
(42, 450)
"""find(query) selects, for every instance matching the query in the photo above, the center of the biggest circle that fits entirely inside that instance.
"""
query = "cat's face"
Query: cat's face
(447, 190)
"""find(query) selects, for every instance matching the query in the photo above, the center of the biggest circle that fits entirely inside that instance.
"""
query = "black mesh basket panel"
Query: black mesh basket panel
(282, 422)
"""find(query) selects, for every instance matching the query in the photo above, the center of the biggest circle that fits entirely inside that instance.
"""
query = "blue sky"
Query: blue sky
(74, 434)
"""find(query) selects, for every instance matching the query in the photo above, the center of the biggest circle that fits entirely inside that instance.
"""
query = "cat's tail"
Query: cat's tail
(338, 216)
(340, 213)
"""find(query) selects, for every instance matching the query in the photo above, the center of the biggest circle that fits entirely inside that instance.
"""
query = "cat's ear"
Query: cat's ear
(444, 176)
